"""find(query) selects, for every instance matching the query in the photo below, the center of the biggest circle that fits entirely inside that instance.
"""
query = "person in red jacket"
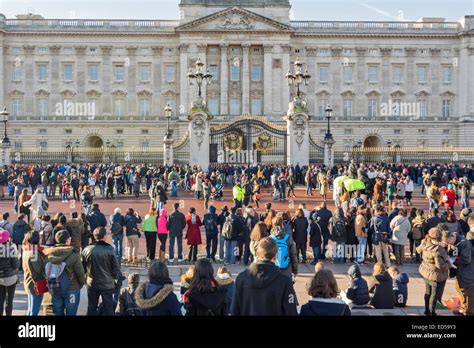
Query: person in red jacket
(450, 200)
(193, 234)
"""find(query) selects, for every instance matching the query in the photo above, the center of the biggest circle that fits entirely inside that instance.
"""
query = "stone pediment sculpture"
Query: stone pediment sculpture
(236, 21)
(299, 126)
(198, 129)
(234, 18)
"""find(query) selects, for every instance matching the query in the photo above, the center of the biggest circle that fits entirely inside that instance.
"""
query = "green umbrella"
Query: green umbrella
(354, 185)
(340, 180)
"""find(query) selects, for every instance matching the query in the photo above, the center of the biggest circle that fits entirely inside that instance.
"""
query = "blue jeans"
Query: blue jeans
(309, 189)
(221, 246)
(179, 241)
(102, 190)
(159, 206)
(275, 194)
(68, 303)
(230, 246)
(118, 247)
(339, 252)
(465, 202)
(64, 197)
(361, 249)
(34, 304)
(317, 253)
(211, 245)
(174, 188)
(229, 179)
(433, 203)
(420, 181)
(283, 191)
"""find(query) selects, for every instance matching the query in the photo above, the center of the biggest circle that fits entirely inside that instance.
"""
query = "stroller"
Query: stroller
(216, 193)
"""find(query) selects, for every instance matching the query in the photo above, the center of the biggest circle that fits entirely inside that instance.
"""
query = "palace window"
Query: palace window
(235, 106)
(213, 105)
(94, 72)
(446, 74)
(256, 106)
(119, 131)
(422, 74)
(324, 51)
(170, 73)
(256, 76)
(373, 70)
(145, 131)
(18, 145)
(397, 74)
(145, 144)
(43, 144)
(372, 108)
(119, 72)
(347, 74)
(214, 71)
(323, 103)
(396, 108)
(347, 107)
(68, 131)
(42, 107)
(42, 131)
(17, 107)
(16, 72)
(42, 72)
(446, 108)
(323, 73)
(119, 107)
(68, 72)
(423, 108)
(234, 72)
(145, 72)
(144, 107)
(445, 131)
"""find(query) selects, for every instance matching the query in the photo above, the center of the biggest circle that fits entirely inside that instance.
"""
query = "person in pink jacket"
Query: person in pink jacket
(162, 233)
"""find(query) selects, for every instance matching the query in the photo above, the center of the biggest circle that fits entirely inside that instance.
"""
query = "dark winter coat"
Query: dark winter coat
(177, 223)
(212, 303)
(465, 262)
(96, 219)
(157, 299)
(74, 270)
(262, 289)
(131, 224)
(315, 235)
(400, 289)
(9, 262)
(325, 307)
(358, 290)
(300, 234)
(101, 265)
(381, 288)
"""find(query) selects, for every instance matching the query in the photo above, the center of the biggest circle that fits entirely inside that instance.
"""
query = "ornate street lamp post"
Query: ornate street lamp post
(298, 77)
(4, 113)
(199, 76)
(168, 114)
(328, 117)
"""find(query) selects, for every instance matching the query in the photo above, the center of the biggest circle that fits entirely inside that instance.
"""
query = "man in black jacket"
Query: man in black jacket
(323, 215)
(433, 221)
(96, 218)
(177, 223)
(103, 274)
(262, 289)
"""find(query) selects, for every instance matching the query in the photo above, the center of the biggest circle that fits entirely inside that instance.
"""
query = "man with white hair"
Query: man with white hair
(117, 222)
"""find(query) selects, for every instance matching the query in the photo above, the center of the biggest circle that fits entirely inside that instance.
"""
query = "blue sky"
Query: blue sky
(377, 10)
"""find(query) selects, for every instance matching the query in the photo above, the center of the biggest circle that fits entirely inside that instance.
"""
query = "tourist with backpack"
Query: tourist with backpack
(211, 223)
(102, 273)
(9, 264)
(381, 235)
(156, 297)
(20, 227)
(337, 228)
(250, 220)
(315, 240)
(418, 232)
(261, 289)
(204, 296)
(64, 274)
(34, 277)
(117, 223)
(222, 216)
(230, 231)
(286, 257)
(126, 305)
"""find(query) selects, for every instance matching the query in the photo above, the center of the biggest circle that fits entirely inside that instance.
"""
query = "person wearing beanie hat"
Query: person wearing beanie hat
(357, 293)
(9, 265)
(449, 197)
(126, 305)
(211, 223)
(63, 253)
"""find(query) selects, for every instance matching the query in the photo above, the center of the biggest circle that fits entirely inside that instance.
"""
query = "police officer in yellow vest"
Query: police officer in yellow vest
(238, 192)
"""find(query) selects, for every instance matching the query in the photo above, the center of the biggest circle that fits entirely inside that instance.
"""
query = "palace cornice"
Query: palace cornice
(99, 33)
(377, 35)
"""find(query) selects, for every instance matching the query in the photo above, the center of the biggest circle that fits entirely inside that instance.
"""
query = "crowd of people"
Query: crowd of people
(59, 255)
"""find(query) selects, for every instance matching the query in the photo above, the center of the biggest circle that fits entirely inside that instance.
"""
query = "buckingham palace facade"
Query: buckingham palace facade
(98, 82)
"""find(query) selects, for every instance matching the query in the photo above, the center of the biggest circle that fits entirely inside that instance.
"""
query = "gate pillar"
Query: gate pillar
(199, 137)
(297, 122)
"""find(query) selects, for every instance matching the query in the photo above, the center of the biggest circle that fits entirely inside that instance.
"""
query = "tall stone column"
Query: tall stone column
(168, 151)
(55, 76)
(183, 76)
(199, 130)
(297, 123)
(245, 80)
(267, 79)
(285, 88)
(28, 67)
(106, 80)
(157, 79)
(329, 152)
(81, 73)
(311, 64)
(224, 80)
(132, 81)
